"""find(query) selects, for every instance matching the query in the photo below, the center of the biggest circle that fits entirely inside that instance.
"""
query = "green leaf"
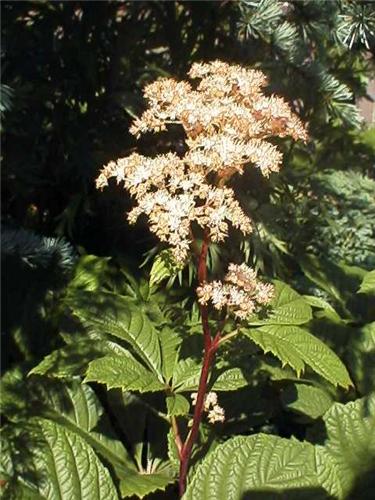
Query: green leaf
(361, 354)
(295, 347)
(306, 399)
(318, 302)
(141, 485)
(27, 396)
(71, 404)
(368, 284)
(349, 449)
(90, 273)
(173, 454)
(177, 405)
(186, 375)
(288, 308)
(164, 266)
(243, 466)
(58, 464)
(70, 360)
(120, 317)
(230, 380)
(169, 344)
(123, 371)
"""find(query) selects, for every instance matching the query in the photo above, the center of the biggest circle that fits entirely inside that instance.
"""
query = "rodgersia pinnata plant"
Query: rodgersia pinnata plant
(228, 122)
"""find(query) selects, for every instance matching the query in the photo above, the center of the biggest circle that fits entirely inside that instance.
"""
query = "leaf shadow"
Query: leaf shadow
(21, 439)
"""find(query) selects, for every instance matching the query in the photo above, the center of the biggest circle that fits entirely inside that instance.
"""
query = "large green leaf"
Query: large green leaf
(177, 404)
(230, 380)
(349, 449)
(118, 316)
(320, 303)
(164, 266)
(306, 399)
(69, 360)
(245, 466)
(288, 308)
(58, 464)
(141, 485)
(23, 396)
(169, 344)
(186, 375)
(90, 273)
(368, 284)
(124, 372)
(295, 347)
(71, 404)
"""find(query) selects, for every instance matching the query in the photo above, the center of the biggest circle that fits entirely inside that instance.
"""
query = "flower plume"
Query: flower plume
(228, 122)
(241, 292)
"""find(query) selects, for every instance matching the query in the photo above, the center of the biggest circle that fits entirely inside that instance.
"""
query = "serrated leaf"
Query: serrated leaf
(71, 404)
(368, 284)
(90, 273)
(58, 464)
(295, 347)
(164, 266)
(173, 454)
(318, 302)
(186, 375)
(230, 380)
(350, 445)
(243, 466)
(169, 344)
(23, 396)
(69, 361)
(177, 405)
(124, 372)
(120, 317)
(306, 399)
(287, 308)
(141, 485)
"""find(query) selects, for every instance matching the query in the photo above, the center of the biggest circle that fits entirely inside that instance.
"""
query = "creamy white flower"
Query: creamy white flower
(228, 122)
(217, 414)
(241, 292)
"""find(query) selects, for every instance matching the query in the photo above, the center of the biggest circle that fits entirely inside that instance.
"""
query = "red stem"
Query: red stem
(210, 347)
(202, 277)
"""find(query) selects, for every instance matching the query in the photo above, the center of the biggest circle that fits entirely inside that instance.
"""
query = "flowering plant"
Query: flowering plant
(194, 392)
(189, 203)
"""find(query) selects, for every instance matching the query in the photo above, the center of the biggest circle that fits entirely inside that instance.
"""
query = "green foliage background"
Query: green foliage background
(76, 301)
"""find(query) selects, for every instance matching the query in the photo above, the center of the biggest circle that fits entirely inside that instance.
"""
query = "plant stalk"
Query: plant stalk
(210, 347)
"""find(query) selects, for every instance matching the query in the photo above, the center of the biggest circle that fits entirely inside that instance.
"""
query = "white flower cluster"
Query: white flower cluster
(228, 121)
(173, 196)
(215, 413)
(241, 292)
(228, 111)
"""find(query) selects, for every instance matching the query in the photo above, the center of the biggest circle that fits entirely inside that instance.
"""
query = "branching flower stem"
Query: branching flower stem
(210, 348)
(228, 336)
